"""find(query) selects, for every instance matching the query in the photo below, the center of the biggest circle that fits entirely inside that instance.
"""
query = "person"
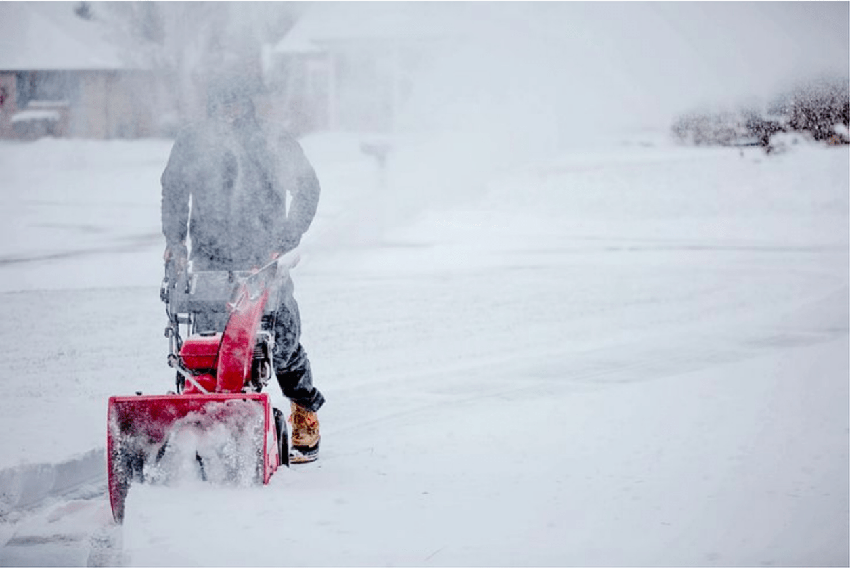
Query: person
(237, 173)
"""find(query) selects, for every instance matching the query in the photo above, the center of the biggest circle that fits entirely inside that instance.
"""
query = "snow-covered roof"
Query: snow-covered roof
(49, 36)
(335, 22)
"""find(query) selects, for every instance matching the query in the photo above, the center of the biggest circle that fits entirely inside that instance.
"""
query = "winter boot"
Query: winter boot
(305, 435)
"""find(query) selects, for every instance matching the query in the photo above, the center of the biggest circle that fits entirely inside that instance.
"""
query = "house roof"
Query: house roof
(334, 22)
(49, 36)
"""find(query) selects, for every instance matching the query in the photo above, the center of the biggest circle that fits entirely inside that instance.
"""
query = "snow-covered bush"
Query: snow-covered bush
(819, 108)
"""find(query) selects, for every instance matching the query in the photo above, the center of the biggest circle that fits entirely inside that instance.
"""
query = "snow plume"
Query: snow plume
(222, 444)
(192, 41)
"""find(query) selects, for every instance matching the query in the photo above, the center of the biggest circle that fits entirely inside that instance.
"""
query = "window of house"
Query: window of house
(46, 86)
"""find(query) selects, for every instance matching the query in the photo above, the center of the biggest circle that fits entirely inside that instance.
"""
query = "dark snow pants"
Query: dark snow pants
(292, 366)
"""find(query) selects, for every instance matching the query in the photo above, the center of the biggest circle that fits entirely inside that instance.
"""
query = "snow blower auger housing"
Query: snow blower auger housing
(217, 423)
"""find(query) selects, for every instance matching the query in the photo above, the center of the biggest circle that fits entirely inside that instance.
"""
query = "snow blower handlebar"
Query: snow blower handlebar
(177, 274)
(201, 301)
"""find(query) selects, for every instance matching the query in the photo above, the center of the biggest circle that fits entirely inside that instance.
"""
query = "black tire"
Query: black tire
(282, 436)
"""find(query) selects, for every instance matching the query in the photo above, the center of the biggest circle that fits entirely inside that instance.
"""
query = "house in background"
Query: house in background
(351, 66)
(59, 77)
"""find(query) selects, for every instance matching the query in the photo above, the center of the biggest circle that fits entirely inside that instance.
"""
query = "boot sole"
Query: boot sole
(304, 454)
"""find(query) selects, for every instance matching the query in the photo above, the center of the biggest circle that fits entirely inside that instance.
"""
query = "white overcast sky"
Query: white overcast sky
(585, 65)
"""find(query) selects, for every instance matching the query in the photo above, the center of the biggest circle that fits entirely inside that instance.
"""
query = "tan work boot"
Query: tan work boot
(305, 435)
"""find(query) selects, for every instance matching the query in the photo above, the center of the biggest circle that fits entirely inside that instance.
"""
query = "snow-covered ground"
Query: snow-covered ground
(632, 354)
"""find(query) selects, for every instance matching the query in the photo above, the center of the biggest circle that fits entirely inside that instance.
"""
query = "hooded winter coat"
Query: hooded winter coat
(237, 175)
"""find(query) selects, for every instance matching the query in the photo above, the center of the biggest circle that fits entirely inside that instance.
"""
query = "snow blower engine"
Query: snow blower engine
(217, 425)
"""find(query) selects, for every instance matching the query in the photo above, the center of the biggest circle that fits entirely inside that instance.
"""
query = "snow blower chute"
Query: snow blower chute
(217, 424)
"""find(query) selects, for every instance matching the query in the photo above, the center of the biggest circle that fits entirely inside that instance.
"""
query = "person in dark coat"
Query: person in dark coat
(236, 173)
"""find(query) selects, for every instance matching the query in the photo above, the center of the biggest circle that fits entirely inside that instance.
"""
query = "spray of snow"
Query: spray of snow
(508, 85)
(223, 444)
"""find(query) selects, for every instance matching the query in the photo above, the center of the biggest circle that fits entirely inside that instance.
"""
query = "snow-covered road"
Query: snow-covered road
(633, 356)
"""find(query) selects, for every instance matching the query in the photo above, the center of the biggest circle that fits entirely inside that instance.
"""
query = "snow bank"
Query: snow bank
(27, 485)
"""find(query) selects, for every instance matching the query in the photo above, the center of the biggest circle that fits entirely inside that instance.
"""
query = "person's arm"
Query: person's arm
(176, 189)
(305, 193)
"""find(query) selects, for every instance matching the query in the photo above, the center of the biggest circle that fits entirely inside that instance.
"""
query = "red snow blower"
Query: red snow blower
(217, 425)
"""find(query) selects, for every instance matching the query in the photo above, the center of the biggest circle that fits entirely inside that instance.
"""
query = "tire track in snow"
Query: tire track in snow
(594, 369)
(126, 244)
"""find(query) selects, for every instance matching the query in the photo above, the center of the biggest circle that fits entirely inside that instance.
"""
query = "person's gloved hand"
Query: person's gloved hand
(290, 239)
(177, 255)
